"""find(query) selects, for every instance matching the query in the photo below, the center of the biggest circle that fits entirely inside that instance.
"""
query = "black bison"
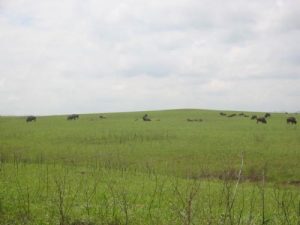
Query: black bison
(261, 120)
(73, 117)
(30, 118)
(267, 115)
(291, 120)
(232, 115)
(241, 114)
(254, 117)
(222, 114)
(194, 120)
(146, 118)
(102, 117)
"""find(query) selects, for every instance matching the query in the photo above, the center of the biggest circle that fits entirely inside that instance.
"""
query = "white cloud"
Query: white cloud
(64, 56)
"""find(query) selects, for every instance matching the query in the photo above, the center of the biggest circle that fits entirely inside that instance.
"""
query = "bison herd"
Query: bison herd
(146, 118)
(262, 119)
(69, 117)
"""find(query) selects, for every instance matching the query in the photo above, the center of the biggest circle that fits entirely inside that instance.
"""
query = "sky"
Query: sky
(88, 56)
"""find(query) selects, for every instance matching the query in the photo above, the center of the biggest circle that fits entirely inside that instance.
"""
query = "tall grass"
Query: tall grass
(55, 194)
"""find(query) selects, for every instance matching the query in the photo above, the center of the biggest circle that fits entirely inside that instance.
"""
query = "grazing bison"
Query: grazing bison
(222, 114)
(261, 120)
(267, 115)
(194, 120)
(254, 117)
(291, 120)
(146, 118)
(102, 117)
(232, 115)
(30, 118)
(73, 117)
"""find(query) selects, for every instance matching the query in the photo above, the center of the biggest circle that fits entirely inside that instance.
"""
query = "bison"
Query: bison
(73, 117)
(30, 118)
(261, 120)
(291, 120)
(254, 117)
(267, 115)
(194, 120)
(232, 115)
(222, 114)
(146, 118)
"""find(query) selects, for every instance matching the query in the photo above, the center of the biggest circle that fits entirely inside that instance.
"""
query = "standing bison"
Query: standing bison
(73, 117)
(30, 119)
(291, 120)
(261, 120)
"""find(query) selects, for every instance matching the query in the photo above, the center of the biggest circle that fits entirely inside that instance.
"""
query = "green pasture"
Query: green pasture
(122, 170)
(168, 144)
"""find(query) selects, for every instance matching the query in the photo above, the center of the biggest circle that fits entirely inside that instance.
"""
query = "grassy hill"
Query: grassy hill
(169, 144)
(55, 160)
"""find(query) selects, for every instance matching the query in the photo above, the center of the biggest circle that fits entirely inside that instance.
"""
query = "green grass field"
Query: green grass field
(122, 170)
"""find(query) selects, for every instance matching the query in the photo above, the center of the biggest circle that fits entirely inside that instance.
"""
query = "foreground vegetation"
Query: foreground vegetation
(121, 170)
(55, 194)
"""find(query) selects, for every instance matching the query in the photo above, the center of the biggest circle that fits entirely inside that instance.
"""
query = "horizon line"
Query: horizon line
(150, 110)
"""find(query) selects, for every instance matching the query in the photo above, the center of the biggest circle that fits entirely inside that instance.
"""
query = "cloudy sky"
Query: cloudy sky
(66, 56)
